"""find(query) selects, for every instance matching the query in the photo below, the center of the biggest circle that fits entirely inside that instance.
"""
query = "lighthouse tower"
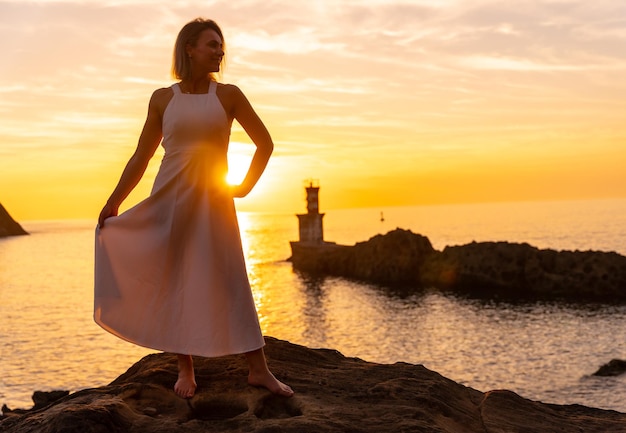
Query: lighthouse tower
(310, 223)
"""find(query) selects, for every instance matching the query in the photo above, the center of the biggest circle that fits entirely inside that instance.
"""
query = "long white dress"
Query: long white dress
(169, 272)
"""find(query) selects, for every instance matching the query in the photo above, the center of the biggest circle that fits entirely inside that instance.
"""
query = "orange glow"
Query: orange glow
(239, 158)
(400, 115)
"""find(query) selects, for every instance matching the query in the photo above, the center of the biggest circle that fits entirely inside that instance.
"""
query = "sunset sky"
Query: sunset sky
(385, 102)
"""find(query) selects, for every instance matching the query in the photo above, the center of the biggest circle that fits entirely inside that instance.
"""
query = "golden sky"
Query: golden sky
(385, 102)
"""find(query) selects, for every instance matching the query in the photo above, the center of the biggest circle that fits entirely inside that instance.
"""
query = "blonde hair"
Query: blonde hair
(188, 35)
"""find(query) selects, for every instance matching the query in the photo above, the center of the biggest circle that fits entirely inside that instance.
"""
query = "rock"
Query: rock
(520, 270)
(392, 258)
(333, 394)
(495, 269)
(41, 399)
(615, 367)
(8, 226)
(44, 398)
(317, 258)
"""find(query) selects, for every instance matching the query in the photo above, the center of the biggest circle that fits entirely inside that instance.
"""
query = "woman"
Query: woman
(170, 273)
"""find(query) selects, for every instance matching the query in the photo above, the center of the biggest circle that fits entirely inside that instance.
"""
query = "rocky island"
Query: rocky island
(407, 260)
(333, 394)
(8, 226)
(494, 269)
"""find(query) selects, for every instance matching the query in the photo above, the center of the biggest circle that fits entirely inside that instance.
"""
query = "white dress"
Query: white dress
(169, 272)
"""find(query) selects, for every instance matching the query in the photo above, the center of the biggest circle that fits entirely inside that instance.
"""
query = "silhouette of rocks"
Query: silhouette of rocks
(614, 367)
(8, 226)
(41, 399)
(511, 269)
(500, 269)
(391, 258)
(333, 394)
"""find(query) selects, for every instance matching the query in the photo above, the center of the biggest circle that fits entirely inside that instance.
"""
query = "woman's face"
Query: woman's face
(207, 53)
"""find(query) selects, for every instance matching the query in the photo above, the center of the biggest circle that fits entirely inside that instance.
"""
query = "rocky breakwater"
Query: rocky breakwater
(8, 226)
(333, 394)
(498, 269)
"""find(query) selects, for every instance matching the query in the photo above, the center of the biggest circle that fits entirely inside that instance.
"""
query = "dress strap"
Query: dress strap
(176, 88)
(212, 87)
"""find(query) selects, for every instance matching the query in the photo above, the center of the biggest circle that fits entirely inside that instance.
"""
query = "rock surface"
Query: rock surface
(8, 226)
(500, 269)
(614, 367)
(333, 394)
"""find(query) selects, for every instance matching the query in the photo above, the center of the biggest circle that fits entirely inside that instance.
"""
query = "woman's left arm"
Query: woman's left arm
(260, 136)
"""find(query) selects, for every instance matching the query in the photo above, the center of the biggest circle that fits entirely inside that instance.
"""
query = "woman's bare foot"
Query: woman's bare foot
(270, 382)
(260, 375)
(185, 386)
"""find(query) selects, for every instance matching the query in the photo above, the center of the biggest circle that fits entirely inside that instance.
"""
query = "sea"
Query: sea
(544, 351)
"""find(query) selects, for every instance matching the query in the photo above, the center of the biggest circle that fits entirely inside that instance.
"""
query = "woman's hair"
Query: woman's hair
(188, 35)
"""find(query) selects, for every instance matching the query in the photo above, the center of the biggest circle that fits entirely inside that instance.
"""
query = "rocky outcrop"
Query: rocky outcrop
(8, 226)
(523, 270)
(500, 269)
(614, 367)
(392, 258)
(333, 394)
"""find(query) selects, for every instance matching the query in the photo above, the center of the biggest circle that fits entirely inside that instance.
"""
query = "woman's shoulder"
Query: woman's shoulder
(162, 93)
(231, 93)
(230, 96)
(228, 89)
(161, 97)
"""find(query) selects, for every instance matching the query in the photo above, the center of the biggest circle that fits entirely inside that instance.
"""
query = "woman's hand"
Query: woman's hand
(107, 211)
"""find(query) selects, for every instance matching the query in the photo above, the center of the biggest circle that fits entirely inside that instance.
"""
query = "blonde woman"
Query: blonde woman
(170, 272)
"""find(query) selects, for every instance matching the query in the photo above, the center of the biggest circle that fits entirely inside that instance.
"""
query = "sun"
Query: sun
(239, 158)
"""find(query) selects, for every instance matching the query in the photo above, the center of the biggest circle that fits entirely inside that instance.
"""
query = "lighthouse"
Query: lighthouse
(310, 252)
(310, 223)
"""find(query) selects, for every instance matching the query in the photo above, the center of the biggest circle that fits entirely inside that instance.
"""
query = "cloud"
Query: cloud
(507, 64)
(301, 41)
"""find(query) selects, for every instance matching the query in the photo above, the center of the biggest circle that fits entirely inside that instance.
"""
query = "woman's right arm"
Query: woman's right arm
(135, 168)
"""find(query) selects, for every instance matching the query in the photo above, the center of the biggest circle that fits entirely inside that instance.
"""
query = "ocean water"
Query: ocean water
(541, 350)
